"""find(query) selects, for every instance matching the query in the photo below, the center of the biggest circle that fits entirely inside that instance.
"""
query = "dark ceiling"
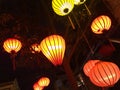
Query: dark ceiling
(32, 20)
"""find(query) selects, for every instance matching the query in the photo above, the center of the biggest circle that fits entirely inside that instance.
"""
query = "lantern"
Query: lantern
(79, 2)
(104, 74)
(88, 66)
(62, 7)
(101, 24)
(43, 82)
(37, 87)
(12, 45)
(35, 48)
(53, 47)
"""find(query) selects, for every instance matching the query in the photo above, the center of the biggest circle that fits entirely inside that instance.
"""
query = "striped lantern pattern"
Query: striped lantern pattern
(53, 47)
(44, 82)
(104, 74)
(62, 7)
(79, 2)
(88, 66)
(101, 24)
(37, 87)
(12, 45)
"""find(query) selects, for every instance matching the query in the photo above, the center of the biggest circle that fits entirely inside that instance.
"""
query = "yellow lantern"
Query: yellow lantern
(12, 45)
(79, 2)
(53, 47)
(62, 7)
(35, 48)
(101, 24)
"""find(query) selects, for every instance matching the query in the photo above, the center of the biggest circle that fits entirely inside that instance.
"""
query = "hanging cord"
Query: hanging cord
(72, 24)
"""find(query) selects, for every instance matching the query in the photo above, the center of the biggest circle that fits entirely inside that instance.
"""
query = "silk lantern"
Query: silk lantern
(12, 45)
(44, 82)
(37, 87)
(100, 24)
(62, 7)
(88, 66)
(35, 48)
(104, 74)
(53, 47)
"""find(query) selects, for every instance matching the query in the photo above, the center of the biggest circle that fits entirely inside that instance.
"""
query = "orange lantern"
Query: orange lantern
(37, 87)
(12, 45)
(53, 47)
(88, 66)
(35, 48)
(43, 82)
(101, 24)
(104, 74)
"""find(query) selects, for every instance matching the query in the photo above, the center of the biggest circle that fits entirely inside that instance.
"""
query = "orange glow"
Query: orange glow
(53, 47)
(12, 44)
(37, 87)
(88, 66)
(104, 74)
(35, 48)
(100, 24)
(43, 82)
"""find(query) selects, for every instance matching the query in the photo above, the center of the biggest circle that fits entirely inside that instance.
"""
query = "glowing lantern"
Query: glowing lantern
(37, 87)
(62, 7)
(12, 45)
(53, 47)
(88, 66)
(35, 48)
(101, 24)
(79, 2)
(104, 74)
(43, 82)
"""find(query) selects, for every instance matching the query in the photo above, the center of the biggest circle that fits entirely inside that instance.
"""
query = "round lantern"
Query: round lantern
(12, 45)
(43, 82)
(104, 74)
(35, 48)
(53, 47)
(101, 24)
(79, 2)
(62, 7)
(88, 66)
(37, 87)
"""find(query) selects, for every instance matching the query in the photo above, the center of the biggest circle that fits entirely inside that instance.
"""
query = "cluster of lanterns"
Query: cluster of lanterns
(64, 7)
(41, 83)
(102, 73)
(53, 47)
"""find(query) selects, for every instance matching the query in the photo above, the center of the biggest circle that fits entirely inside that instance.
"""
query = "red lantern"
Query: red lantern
(43, 82)
(12, 44)
(37, 87)
(100, 24)
(53, 47)
(88, 66)
(104, 74)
